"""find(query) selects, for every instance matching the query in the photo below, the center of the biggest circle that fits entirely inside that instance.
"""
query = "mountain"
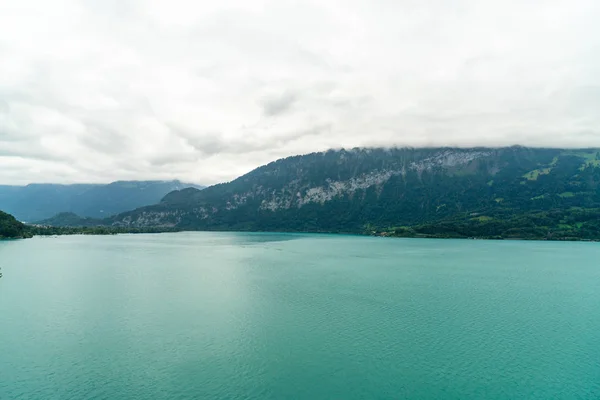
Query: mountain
(40, 201)
(10, 228)
(69, 219)
(447, 192)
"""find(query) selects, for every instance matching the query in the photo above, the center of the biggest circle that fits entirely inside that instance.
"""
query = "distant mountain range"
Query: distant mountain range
(40, 201)
(514, 192)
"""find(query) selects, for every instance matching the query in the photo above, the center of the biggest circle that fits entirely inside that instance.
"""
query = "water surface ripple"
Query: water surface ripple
(285, 316)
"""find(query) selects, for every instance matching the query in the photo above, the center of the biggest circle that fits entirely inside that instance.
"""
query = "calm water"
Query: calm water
(270, 316)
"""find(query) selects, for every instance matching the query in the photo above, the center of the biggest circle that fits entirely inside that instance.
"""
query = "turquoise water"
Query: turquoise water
(276, 316)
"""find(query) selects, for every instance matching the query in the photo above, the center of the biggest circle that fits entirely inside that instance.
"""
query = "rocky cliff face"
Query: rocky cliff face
(346, 190)
(296, 195)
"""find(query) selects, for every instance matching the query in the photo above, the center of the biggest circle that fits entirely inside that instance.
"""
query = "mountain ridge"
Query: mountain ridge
(377, 186)
(36, 202)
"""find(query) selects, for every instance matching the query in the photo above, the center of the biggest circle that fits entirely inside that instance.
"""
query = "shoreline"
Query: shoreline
(105, 231)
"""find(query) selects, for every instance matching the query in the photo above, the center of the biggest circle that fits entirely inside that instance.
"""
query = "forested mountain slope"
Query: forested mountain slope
(10, 228)
(391, 191)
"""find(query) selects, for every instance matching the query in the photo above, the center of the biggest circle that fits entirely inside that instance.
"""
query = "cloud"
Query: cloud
(210, 144)
(101, 90)
(276, 105)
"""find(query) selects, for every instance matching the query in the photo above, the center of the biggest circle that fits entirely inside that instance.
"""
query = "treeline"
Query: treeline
(94, 230)
(572, 224)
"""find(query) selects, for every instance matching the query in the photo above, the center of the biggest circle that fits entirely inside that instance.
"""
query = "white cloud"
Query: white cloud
(99, 90)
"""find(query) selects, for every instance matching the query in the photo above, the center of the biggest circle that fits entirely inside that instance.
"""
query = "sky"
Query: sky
(204, 91)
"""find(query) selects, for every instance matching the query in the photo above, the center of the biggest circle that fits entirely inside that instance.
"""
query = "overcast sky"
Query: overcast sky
(203, 91)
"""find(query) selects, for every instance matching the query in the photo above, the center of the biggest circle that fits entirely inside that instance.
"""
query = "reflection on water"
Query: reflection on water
(262, 237)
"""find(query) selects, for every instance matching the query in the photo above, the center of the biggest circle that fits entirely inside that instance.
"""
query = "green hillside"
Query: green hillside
(10, 228)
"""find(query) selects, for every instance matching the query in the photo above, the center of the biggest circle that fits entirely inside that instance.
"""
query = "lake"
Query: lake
(293, 316)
